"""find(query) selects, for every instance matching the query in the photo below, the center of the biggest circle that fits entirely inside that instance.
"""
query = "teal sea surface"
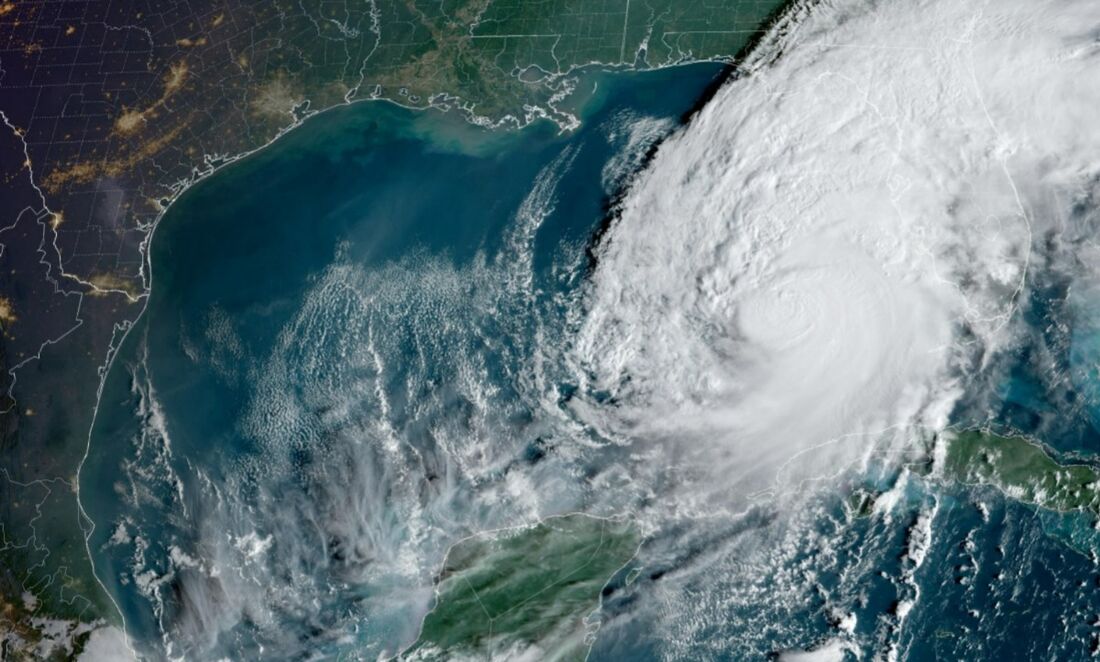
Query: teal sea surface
(331, 381)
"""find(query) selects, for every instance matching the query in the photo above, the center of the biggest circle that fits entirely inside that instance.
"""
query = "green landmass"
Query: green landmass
(524, 590)
(861, 502)
(1022, 469)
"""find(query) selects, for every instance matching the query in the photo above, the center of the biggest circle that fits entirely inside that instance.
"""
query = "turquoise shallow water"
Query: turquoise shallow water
(336, 354)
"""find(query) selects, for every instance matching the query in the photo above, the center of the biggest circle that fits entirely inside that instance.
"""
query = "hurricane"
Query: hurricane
(817, 275)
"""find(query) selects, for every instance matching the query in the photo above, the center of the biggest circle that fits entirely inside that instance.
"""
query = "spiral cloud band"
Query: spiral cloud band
(836, 238)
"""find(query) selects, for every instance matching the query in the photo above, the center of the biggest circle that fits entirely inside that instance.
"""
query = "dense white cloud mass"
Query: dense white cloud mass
(107, 644)
(822, 262)
(841, 232)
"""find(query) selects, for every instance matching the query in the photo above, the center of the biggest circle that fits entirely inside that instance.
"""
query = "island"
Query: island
(1020, 468)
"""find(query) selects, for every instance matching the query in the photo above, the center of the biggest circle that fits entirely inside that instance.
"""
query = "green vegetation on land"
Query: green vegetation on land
(1021, 469)
(526, 589)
